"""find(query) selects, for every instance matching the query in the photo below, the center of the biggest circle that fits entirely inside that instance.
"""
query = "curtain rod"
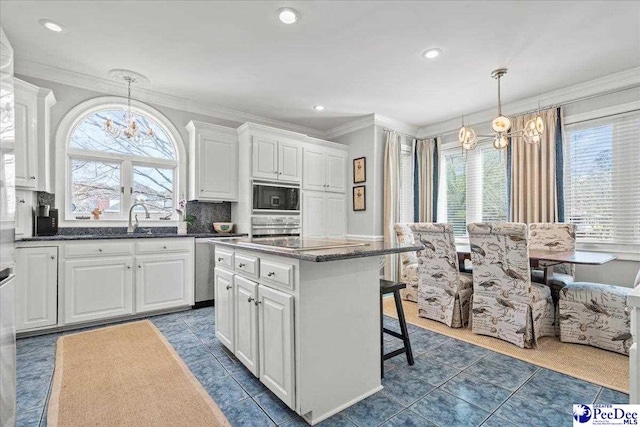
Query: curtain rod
(399, 133)
(573, 101)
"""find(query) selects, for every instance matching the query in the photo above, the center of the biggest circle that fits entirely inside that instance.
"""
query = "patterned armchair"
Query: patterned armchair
(409, 274)
(443, 292)
(558, 237)
(596, 315)
(506, 304)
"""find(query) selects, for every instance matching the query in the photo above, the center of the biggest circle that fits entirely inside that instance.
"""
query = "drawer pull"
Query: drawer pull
(99, 249)
(271, 273)
(229, 287)
(257, 302)
(128, 267)
(241, 265)
(33, 177)
(139, 266)
(220, 259)
(52, 257)
(164, 247)
(251, 299)
(22, 201)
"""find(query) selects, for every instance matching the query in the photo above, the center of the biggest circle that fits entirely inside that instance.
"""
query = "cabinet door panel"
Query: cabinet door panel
(217, 169)
(98, 288)
(289, 162)
(265, 158)
(314, 170)
(336, 171)
(246, 323)
(336, 215)
(163, 281)
(37, 288)
(276, 343)
(25, 137)
(224, 307)
(24, 214)
(313, 212)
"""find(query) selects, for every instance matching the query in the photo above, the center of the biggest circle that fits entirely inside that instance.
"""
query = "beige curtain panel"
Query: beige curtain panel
(533, 172)
(425, 163)
(391, 200)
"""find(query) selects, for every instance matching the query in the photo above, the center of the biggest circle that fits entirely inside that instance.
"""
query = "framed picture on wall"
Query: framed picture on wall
(359, 170)
(359, 198)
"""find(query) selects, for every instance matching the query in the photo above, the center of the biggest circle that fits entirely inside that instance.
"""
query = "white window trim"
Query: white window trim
(63, 153)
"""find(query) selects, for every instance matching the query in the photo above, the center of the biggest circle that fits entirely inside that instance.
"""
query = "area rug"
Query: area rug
(126, 375)
(587, 363)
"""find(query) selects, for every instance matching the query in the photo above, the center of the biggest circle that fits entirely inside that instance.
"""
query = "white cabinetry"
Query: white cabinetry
(213, 162)
(33, 156)
(276, 343)
(98, 288)
(163, 281)
(276, 160)
(36, 288)
(324, 215)
(223, 291)
(324, 169)
(24, 214)
(246, 323)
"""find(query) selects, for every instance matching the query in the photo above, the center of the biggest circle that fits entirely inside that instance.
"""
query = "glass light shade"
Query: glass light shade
(532, 139)
(539, 124)
(500, 142)
(501, 124)
(532, 132)
(468, 138)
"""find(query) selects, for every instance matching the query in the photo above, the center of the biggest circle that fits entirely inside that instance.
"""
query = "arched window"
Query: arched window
(109, 169)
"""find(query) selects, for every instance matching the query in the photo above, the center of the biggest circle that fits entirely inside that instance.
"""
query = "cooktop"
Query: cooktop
(301, 243)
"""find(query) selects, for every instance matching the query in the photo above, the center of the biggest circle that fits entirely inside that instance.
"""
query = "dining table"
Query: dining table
(545, 260)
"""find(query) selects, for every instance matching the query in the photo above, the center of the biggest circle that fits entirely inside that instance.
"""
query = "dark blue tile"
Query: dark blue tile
(496, 421)
(39, 344)
(373, 410)
(558, 390)
(246, 413)
(408, 418)
(29, 418)
(404, 387)
(230, 363)
(167, 319)
(447, 410)
(476, 391)
(31, 394)
(174, 329)
(274, 407)
(195, 354)
(224, 390)
(207, 369)
(457, 353)
(522, 411)
(608, 396)
(501, 370)
(337, 420)
(183, 341)
(34, 367)
(424, 343)
(249, 382)
(428, 370)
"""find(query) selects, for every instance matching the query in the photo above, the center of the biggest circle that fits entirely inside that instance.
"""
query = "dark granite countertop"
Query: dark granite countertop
(366, 249)
(73, 237)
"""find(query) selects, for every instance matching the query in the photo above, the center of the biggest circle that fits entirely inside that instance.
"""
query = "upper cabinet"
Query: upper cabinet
(276, 159)
(213, 162)
(32, 133)
(325, 169)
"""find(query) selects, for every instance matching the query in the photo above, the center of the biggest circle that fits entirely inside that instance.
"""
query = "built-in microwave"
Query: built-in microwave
(275, 197)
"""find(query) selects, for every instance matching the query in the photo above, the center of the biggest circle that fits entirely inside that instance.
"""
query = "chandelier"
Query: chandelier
(501, 125)
(130, 129)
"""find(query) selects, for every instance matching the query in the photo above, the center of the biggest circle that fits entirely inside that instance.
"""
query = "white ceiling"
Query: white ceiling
(354, 57)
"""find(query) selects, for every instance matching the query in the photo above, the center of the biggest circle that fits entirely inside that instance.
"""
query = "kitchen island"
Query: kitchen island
(303, 315)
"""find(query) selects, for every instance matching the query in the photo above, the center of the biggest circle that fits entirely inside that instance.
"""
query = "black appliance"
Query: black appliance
(275, 197)
(46, 222)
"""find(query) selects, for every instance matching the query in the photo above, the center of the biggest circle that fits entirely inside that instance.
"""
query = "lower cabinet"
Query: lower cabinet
(246, 323)
(276, 347)
(98, 288)
(36, 288)
(163, 281)
(223, 294)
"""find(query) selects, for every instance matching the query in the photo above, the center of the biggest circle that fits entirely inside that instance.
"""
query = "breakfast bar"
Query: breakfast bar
(303, 315)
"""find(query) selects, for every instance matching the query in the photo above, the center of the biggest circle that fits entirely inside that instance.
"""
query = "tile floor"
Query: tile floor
(451, 384)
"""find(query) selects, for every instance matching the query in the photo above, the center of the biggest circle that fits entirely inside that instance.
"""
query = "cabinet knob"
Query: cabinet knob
(251, 299)
(164, 247)
(241, 265)
(99, 249)
(22, 201)
(229, 287)
(52, 257)
(220, 259)
(139, 266)
(129, 267)
(271, 273)
(202, 189)
(32, 177)
(256, 302)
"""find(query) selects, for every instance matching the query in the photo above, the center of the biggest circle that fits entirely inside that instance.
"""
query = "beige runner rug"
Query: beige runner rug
(126, 375)
(595, 365)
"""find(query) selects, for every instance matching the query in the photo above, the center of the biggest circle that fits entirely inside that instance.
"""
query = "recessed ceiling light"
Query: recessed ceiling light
(288, 16)
(51, 25)
(318, 107)
(432, 53)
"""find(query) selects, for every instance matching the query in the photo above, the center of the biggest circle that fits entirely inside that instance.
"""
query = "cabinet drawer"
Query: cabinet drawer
(246, 264)
(224, 258)
(278, 273)
(158, 246)
(84, 250)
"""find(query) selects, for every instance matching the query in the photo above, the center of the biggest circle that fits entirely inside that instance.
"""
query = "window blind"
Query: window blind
(406, 184)
(602, 179)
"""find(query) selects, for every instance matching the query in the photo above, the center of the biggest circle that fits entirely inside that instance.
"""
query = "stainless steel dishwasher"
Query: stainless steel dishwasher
(205, 263)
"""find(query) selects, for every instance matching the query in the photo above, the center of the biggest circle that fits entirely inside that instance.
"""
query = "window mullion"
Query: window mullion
(127, 184)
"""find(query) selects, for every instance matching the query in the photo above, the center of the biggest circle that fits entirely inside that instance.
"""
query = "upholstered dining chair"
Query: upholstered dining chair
(409, 274)
(443, 292)
(556, 237)
(506, 304)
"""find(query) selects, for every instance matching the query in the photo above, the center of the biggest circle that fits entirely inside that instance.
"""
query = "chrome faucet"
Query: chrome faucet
(132, 227)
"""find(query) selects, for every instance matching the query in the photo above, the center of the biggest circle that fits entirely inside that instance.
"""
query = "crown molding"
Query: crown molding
(351, 126)
(396, 125)
(616, 81)
(32, 68)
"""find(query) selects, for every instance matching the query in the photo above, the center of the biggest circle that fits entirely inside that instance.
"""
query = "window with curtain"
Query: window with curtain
(473, 187)
(602, 179)
(406, 183)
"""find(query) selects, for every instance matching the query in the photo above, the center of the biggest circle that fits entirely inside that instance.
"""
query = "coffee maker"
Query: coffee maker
(46, 221)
